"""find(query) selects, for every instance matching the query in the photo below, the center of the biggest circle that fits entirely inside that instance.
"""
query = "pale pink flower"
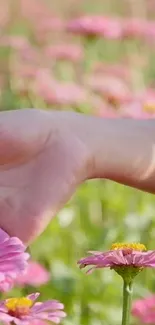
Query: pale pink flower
(13, 259)
(52, 23)
(134, 109)
(25, 71)
(58, 93)
(7, 284)
(37, 322)
(113, 89)
(150, 31)
(134, 28)
(141, 106)
(69, 52)
(120, 255)
(107, 27)
(35, 275)
(144, 310)
(148, 98)
(29, 55)
(15, 42)
(119, 70)
(23, 311)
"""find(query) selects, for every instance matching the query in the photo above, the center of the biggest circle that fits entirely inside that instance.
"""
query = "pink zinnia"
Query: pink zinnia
(134, 28)
(121, 255)
(102, 26)
(68, 52)
(23, 311)
(120, 70)
(7, 284)
(35, 275)
(144, 310)
(112, 89)
(38, 322)
(57, 93)
(13, 259)
(134, 109)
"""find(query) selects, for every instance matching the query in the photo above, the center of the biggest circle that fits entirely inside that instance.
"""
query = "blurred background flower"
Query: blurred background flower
(35, 275)
(94, 57)
(144, 310)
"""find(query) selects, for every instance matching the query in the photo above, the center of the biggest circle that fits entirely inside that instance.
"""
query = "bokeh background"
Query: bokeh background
(96, 57)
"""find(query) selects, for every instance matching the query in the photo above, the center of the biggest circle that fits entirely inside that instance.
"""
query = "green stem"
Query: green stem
(127, 294)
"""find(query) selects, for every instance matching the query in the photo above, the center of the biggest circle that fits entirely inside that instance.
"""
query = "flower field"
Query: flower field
(93, 57)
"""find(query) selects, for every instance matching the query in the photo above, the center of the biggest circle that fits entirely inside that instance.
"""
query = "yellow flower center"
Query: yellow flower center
(149, 107)
(18, 306)
(132, 247)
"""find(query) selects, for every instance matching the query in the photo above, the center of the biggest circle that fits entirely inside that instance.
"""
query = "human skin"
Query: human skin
(45, 156)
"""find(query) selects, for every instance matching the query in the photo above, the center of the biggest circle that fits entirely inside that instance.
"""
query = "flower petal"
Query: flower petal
(33, 296)
(47, 306)
(3, 236)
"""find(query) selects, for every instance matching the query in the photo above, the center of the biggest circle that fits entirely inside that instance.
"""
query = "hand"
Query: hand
(44, 156)
(42, 161)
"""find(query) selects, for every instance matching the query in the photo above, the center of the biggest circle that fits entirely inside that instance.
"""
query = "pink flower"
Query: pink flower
(95, 26)
(37, 322)
(144, 310)
(113, 89)
(70, 52)
(23, 311)
(134, 28)
(149, 100)
(150, 31)
(7, 284)
(120, 70)
(58, 93)
(142, 106)
(13, 259)
(15, 42)
(135, 110)
(35, 275)
(121, 254)
(50, 24)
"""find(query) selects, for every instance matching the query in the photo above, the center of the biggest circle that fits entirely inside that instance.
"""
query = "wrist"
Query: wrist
(123, 151)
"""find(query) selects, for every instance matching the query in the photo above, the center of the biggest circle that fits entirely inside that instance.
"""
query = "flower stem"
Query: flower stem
(127, 294)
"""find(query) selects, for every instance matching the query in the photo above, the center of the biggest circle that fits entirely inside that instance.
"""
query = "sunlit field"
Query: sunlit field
(95, 57)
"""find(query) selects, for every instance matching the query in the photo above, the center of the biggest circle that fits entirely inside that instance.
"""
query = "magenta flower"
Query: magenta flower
(35, 275)
(128, 255)
(144, 310)
(13, 259)
(23, 311)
